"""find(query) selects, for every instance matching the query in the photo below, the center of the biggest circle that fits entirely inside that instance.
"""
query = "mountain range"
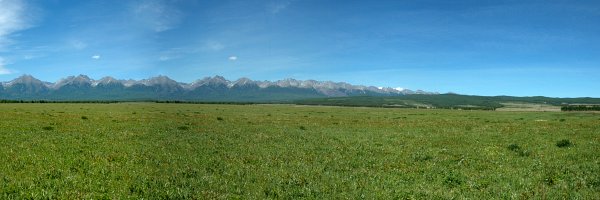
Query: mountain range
(215, 88)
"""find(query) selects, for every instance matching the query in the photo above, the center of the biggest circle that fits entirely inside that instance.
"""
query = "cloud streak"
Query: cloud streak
(13, 18)
(2, 69)
(158, 15)
(213, 46)
(77, 44)
(278, 6)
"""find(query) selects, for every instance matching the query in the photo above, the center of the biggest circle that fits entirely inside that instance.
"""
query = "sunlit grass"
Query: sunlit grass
(146, 150)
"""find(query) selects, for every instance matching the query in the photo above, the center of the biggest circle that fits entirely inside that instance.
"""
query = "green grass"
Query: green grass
(148, 150)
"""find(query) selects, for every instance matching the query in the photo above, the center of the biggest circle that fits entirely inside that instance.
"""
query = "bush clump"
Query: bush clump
(48, 128)
(564, 143)
(84, 117)
(421, 157)
(517, 149)
(220, 118)
(454, 180)
(183, 128)
(514, 147)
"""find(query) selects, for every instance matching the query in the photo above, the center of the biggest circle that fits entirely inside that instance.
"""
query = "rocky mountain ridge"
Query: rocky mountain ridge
(209, 88)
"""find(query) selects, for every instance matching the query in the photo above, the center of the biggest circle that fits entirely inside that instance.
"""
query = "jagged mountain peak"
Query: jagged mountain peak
(242, 82)
(159, 80)
(288, 82)
(80, 80)
(108, 79)
(25, 84)
(218, 79)
(212, 81)
(26, 79)
(209, 81)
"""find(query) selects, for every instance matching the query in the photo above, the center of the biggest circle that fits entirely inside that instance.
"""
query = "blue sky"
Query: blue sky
(522, 48)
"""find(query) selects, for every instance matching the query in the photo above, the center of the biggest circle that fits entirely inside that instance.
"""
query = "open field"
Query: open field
(514, 106)
(455, 101)
(149, 150)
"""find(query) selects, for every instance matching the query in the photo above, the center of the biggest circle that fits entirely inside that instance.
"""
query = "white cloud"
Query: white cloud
(158, 15)
(174, 53)
(278, 6)
(96, 57)
(13, 17)
(213, 46)
(233, 58)
(79, 45)
(2, 63)
(164, 58)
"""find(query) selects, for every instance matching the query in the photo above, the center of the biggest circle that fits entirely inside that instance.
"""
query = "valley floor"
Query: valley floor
(149, 150)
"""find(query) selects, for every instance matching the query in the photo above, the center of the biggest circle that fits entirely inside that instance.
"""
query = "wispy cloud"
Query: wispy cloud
(158, 15)
(213, 46)
(96, 57)
(233, 58)
(13, 18)
(173, 53)
(78, 44)
(2, 69)
(278, 6)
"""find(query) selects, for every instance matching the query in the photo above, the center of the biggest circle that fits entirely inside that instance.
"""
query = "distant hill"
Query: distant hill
(217, 88)
(453, 101)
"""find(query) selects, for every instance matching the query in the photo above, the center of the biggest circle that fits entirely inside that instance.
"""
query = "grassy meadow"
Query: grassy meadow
(198, 151)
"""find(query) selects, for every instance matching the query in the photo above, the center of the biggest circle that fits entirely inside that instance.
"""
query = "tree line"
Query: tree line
(51, 101)
(104, 101)
(580, 108)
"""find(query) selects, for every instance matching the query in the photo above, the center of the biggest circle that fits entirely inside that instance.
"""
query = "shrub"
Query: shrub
(549, 180)
(48, 128)
(561, 120)
(420, 157)
(517, 149)
(514, 147)
(564, 143)
(220, 118)
(523, 153)
(302, 128)
(183, 128)
(453, 180)
(84, 117)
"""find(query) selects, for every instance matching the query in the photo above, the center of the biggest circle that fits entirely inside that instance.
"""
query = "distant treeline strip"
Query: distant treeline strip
(395, 106)
(106, 102)
(52, 101)
(580, 108)
(210, 102)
